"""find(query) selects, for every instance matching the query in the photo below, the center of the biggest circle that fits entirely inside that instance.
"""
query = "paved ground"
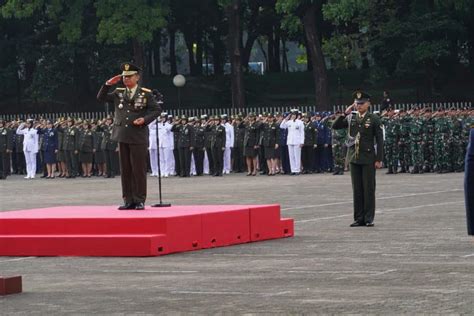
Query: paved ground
(417, 259)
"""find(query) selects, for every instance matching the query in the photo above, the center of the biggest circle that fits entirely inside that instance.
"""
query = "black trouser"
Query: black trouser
(363, 188)
(307, 157)
(177, 164)
(218, 159)
(71, 162)
(261, 160)
(198, 154)
(318, 158)
(210, 159)
(3, 165)
(133, 171)
(110, 162)
(285, 158)
(238, 156)
(184, 161)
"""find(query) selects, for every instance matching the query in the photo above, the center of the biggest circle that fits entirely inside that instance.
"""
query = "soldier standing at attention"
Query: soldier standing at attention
(310, 144)
(110, 148)
(185, 134)
(135, 108)
(366, 130)
(416, 142)
(6, 146)
(392, 136)
(271, 136)
(199, 149)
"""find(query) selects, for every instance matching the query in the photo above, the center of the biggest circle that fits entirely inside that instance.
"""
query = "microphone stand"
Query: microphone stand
(160, 204)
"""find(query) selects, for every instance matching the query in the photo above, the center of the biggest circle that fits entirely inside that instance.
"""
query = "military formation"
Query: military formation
(416, 141)
(421, 140)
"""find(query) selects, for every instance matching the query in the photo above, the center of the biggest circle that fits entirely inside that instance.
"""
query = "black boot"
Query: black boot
(389, 171)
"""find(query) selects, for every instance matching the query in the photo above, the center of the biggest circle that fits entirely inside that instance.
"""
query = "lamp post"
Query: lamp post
(179, 81)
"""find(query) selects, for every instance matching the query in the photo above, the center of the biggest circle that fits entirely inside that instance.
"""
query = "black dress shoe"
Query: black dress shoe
(140, 206)
(357, 224)
(370, 224)
(127, 206)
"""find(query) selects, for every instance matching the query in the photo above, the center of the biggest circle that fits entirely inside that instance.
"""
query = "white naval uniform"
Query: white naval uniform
(30, 149)
(166, 147)
(229, 143)
(153, 148)
(294, 141)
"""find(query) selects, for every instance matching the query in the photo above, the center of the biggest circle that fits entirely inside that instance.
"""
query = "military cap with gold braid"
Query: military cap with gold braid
(361, 97)
(129, 69)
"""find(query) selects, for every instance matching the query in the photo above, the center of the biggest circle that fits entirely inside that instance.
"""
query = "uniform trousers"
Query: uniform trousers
(294, 153)
(238, 155)
(133, 167)
(198, 155)
(154, 161)
(184, 161)
(218, 159)
(166, 161)
(71, 162)
(3, 164)
(110, 162)
(206, 163)
(307, 154)
(363, 188)
(30, 158)
(227, 160)
(210, 159)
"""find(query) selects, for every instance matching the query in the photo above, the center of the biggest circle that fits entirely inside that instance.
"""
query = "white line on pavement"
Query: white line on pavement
(379, 198)
(17, 259)
(378, 212)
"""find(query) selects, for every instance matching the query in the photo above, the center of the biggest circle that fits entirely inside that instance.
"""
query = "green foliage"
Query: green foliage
(121, 21)
(342, 50)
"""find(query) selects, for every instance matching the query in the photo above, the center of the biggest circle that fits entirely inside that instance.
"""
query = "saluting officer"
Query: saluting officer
(185, 133)
(135, 108)
(271, 136)
(6, 146)
(365, 155)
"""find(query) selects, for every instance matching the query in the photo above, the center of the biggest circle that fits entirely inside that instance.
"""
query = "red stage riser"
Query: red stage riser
(104, 231)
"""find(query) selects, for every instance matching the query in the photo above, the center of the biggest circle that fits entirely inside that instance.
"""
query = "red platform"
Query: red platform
(105, 231)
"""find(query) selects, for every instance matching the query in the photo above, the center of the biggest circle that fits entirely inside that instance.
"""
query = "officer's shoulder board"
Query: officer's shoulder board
(146, 90)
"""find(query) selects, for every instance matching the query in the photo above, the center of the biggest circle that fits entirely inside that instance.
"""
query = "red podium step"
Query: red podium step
(105, 231)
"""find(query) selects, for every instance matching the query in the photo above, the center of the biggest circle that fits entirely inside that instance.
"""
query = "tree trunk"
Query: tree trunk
(284, 56)
(188, 39)
(247, 50)
(199, 53)
(317, 58)
(173, 65)
(276, 49)
(156, 54)
(238, 90)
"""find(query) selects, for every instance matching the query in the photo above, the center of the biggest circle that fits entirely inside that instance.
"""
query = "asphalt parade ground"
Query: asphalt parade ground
(417, 259)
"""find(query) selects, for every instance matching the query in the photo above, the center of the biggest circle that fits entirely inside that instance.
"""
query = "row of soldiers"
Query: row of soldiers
(420, 140)
(416, 141)
(75, 148)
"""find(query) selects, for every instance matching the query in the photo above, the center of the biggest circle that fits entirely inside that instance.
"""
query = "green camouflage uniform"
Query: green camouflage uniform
(442, 139)
(428, 144)
(456, 146)
(338, 147)
(416, 139)
(392, 136)
(404, 143)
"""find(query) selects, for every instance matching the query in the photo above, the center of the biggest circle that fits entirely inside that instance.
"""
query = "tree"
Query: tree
(308, 12)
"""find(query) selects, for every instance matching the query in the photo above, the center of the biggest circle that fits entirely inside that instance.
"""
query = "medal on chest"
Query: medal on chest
(120, 95)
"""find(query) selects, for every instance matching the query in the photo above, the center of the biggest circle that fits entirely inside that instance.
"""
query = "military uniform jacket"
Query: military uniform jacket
(6, 142)
(239, 131)
(199, 134)
(370, 130)
(185, 135)
(107, 142)
(18, 140)
(86, 141)
(271, 135)
(50, 139)
(71, 138)
(252, 133)
(218, 138)
(310, 134)
(141, 104)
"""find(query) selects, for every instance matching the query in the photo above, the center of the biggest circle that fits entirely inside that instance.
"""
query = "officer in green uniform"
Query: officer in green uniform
(310, 144)
(71, 148)
(6, 147)
(135, 108)
(218, 146)
(185, 134)
(238, 150)
(270, 138)
(110, 148)
(366, 154)
(404, 141)
(392, 137)
(198, 152)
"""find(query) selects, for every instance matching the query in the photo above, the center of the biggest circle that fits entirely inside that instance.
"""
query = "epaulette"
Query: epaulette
(146, 90)
(120, 89)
